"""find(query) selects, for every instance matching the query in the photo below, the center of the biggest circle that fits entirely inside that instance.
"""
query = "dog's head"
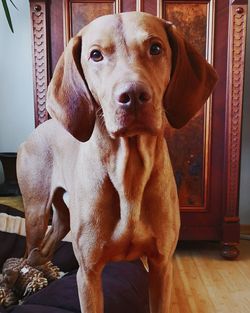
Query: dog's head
(128, 69)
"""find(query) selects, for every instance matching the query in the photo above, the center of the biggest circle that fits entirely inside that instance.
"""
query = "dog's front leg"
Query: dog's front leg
(90, 290)
(160, 284)
(88, 253)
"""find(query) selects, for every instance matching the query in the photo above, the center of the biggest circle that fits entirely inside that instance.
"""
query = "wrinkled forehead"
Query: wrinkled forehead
(132, 28)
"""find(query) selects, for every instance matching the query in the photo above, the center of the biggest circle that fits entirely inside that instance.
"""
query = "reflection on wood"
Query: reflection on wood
(191, 21)
(84, 13)
(186, 146)
(186, 153)
(128, 5)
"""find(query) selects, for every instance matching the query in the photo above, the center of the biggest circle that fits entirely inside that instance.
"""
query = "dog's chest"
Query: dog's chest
(129, 172)
(130, 242)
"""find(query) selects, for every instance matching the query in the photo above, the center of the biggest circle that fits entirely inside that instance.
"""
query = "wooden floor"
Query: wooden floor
(203, 281)
(206, 283)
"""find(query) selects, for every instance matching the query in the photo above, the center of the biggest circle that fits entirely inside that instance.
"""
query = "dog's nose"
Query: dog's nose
(133, 94)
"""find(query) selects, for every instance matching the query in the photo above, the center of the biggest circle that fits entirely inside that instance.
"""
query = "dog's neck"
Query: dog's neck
(129, 161)
(131, 166)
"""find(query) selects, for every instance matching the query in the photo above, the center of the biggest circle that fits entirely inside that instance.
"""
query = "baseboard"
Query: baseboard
(245, 229)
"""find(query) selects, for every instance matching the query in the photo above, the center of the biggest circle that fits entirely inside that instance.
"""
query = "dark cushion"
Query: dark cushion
(125, 284)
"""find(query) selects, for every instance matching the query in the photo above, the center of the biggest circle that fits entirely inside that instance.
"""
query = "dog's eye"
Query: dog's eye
(155, 49)
(96, 56)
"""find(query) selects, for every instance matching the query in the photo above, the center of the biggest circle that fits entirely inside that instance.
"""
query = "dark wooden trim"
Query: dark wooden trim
(239, 2)
(220, 220)
(199, 232)
(39, 15)
(56, 36)
(230, 252)
(236, 57)
(245, 229)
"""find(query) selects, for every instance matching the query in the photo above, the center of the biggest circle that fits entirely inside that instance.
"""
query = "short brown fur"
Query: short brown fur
(122, 199)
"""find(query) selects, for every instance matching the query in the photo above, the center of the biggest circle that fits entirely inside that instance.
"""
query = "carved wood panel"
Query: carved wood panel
(238, 20)
(210, 161)
(38, 11)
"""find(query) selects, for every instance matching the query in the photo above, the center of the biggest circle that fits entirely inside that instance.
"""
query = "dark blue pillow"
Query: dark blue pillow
(125, 284)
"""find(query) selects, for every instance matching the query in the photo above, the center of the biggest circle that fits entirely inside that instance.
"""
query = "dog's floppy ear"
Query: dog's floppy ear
(192, 80)
(69, 99)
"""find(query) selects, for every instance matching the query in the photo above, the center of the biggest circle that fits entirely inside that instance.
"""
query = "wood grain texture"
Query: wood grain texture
(56, 33)
(191, 21)
(150, 6)
(128, 5)
(203, 282)
(198, 223)
(188, 152)
(84, 13)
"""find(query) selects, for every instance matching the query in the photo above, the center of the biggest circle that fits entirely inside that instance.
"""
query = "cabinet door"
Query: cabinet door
(191, 147)
(205, 153)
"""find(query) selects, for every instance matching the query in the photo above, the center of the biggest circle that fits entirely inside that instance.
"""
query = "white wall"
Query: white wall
(16, 89)
(16, 94)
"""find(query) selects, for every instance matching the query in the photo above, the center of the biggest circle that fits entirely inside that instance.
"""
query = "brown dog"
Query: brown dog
(112, 89)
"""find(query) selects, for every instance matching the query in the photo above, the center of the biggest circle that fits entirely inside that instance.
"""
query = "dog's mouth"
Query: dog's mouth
(133, 131)
(129, 122)
(128, 125)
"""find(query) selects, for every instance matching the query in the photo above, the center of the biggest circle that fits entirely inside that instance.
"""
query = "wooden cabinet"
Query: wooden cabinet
(206, 152)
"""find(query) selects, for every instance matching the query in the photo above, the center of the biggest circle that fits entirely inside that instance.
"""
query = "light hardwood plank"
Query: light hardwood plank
(206, 283)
